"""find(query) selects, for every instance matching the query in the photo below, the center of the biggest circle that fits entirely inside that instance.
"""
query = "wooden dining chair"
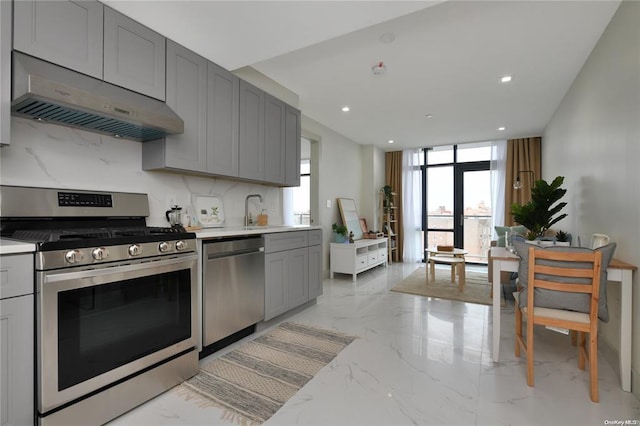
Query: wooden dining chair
(572, 272)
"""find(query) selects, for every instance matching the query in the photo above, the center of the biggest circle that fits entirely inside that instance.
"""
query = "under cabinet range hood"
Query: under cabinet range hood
(47, 92)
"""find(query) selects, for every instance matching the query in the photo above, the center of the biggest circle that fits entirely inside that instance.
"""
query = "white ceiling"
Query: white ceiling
(446, 60)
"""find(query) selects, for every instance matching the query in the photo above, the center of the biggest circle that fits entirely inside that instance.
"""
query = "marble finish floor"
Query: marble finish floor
(422, 361)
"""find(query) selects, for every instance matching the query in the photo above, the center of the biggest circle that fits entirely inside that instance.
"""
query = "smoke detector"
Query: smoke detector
(379, 68)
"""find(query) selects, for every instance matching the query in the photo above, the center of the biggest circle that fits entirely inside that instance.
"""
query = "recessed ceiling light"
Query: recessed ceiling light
(501, 128)
(346, 109)
(387, 38)
(505, 79)
(390, 141)
(428, 116)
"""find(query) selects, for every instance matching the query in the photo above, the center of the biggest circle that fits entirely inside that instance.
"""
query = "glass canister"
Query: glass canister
(263, 218)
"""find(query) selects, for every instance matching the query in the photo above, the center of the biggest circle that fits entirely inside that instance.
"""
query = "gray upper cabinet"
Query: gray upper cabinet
(134, 55)
(251, 135)
(274, 139)
(187, 96)
(222, 121)
(67, 33)
(5, 72)
(207, 98)
(292, 147)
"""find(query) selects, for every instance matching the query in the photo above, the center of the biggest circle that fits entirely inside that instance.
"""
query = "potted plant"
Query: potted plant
(388, 195)
(340, 233)
(563, 238)
(539, 214)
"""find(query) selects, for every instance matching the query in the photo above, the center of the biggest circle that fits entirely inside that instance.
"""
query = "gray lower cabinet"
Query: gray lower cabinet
(315, 271)
(251, 132)
(134, 55)
(67, 33)
(17, 340)
(293, 270)
(5, 72)
(187, 96)
(286, 281)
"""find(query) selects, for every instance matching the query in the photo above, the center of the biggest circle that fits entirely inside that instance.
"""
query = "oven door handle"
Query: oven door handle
(107, 274)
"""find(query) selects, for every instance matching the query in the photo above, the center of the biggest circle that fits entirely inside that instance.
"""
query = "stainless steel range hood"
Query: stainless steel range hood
(47, 92)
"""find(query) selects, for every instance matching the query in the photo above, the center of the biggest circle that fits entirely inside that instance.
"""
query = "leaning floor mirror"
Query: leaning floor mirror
(349, 215)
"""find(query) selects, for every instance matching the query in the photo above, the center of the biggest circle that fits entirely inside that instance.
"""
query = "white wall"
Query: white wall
(372, 181)
(593, 140)
(340, 175)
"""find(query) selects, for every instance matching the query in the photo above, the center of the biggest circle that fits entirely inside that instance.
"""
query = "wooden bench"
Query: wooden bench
(455, 262)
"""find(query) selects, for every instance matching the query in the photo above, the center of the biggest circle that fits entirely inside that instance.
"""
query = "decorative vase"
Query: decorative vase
(339, 238)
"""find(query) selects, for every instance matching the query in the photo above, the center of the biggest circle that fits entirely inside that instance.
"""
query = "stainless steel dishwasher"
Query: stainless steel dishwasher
(233, 287)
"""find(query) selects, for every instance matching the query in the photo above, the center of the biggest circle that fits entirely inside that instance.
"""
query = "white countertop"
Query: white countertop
(8, 246)
(234, 231)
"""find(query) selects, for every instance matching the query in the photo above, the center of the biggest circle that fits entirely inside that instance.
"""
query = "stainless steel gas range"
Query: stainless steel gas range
(115, 300)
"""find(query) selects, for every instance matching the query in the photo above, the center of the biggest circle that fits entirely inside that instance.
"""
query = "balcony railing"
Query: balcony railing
(477, 234)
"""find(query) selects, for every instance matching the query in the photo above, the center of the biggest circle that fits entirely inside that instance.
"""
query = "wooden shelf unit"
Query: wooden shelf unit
(388, 215)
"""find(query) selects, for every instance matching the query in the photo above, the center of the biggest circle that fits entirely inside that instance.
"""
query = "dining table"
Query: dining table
(617, 271)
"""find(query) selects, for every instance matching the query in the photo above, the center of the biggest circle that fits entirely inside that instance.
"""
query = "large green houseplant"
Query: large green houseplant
(539, 214)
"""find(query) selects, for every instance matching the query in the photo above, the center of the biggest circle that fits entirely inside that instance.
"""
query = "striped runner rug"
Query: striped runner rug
(253, 381)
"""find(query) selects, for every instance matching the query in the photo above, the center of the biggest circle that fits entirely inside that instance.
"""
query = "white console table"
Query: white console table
(359, 256)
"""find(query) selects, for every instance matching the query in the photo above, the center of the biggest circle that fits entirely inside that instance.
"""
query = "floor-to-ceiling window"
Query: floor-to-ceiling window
(457, 194)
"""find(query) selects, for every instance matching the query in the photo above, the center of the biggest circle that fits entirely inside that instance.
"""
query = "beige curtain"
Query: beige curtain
(522, 154)
(393, 178)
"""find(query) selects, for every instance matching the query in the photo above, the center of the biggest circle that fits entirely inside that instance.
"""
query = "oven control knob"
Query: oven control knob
(181, 245)
(135, 250)
(73, 256)
(164, 247)
(100, 253)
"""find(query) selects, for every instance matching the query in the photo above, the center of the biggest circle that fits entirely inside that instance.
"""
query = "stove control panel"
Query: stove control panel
(76, 199)
(54, 259)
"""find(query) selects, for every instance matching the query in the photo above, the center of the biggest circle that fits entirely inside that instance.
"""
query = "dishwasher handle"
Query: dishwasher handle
(232, 247)
(211, 256)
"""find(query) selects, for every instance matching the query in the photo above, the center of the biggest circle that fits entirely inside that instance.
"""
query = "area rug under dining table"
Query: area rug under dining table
(253, 381)
(476, 288)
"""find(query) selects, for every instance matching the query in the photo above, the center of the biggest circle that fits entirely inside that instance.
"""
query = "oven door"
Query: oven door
(98, 326)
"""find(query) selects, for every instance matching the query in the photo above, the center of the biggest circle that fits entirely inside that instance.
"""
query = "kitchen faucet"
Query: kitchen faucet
(247, 217)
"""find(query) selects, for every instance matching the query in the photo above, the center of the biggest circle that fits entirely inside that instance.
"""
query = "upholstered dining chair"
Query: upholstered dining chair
(568, 272)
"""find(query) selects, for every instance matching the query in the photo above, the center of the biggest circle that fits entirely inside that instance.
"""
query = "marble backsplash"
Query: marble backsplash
(47, 155)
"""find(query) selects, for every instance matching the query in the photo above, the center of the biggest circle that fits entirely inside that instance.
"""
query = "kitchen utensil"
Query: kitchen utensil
(174, 216)
(263, 218)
